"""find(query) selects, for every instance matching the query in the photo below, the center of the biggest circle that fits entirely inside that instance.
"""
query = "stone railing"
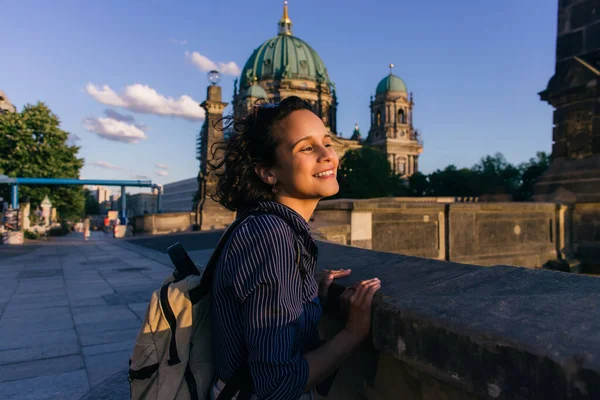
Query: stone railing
(525, 234)
(155, 224)
(443, 330)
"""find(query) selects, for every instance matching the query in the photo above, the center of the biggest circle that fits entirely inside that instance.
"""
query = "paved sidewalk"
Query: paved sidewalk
(69, 313)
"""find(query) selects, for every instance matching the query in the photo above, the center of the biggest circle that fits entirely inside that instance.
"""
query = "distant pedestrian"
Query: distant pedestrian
(86, 228)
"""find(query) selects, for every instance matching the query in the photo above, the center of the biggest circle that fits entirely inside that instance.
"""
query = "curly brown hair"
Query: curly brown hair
(253, 143)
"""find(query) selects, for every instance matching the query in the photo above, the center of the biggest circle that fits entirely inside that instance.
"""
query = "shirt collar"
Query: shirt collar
(289, 215)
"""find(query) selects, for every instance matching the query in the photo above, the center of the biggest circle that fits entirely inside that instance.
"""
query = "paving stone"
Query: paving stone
(40, 272)
(90, 302)
(69, 385)
(107, 337)
(38, 352)
(123, 325)
(126, 345)
(104, 316)
(147, 289)
(21, 327)
(38, 303)
(31, 369)
(139, 309)
(115, 387)
(102, 366)
(12, 340)
(85, 309)
(33, 314)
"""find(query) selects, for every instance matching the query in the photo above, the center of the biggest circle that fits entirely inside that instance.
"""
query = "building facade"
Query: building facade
(141, 203)
(179, 196)
(284, 66)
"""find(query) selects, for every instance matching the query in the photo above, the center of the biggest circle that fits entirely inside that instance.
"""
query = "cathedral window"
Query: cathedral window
(378, 117)
(401, 117)
(401, 167)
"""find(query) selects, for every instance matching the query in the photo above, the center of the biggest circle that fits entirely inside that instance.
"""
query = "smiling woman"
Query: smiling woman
(266, 300)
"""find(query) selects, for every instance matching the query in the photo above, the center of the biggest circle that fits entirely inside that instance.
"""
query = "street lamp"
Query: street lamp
(214, 77)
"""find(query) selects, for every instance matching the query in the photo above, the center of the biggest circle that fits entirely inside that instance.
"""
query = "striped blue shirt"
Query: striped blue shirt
(264, 314)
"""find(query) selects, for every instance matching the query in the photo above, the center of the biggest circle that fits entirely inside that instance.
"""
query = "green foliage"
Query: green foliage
(61, 230)
(366, 173)
(491, 175)
(530, 173)
(31, 235)
(33, 145)
(91, 204)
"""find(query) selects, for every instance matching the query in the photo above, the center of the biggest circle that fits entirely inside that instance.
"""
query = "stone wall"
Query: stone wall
(524, 234)
(586, 235)
(443, 330)
(520, 234)
(156, 224)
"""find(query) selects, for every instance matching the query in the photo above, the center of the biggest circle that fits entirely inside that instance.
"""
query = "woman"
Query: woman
(266, 305)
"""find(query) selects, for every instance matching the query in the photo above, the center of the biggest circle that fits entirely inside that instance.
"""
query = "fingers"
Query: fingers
(364, 291)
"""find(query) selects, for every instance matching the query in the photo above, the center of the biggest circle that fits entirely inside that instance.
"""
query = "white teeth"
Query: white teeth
(325, 173)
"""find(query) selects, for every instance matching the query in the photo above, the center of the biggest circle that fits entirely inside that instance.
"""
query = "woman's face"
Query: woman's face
(306, 161)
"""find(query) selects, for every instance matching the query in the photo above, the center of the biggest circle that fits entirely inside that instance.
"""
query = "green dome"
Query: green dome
(256, 91)
(284, 56)
(391, 83)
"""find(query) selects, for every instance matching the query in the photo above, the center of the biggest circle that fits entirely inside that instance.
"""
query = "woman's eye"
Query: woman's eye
(328, 145)
(308, 148)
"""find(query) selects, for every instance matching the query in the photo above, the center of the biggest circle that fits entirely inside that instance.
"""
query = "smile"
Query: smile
(329, 172)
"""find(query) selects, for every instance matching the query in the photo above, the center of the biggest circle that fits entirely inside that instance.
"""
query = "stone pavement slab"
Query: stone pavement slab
(70, 311)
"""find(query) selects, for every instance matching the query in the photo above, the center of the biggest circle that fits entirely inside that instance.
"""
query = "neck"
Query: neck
(305, 208)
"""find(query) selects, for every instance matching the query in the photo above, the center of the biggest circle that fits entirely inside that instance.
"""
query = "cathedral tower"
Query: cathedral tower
(392, 129)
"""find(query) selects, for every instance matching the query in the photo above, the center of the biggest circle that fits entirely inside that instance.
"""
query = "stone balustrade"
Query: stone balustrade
(444, 330)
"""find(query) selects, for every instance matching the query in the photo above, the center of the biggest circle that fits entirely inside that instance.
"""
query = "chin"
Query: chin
(330, 191)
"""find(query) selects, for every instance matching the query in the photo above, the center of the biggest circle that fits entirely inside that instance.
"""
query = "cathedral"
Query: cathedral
(285, 66)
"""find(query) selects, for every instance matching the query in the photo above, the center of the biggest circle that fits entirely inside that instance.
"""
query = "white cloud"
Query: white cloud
(205, 64)
(161, 166)
(140, 177)
(112, 129)
(177, 41)
(162, 173)
(105, 164)
(144, 99)
(105, 95)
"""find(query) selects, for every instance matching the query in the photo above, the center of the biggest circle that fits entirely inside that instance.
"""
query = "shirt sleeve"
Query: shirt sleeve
(269, 287)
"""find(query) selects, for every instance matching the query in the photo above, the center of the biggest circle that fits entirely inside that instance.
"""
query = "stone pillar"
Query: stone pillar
(575, 94)
(361, 229)
(25, 212)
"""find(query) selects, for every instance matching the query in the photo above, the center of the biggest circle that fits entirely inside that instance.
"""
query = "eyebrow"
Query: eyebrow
(327, 136)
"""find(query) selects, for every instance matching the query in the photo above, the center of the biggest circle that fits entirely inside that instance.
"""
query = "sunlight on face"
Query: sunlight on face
(306, 161)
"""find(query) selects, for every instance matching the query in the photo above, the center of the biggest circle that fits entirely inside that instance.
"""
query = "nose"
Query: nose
(325, 154)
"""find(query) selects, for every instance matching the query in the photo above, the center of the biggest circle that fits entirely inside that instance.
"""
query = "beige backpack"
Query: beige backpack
(172, 357)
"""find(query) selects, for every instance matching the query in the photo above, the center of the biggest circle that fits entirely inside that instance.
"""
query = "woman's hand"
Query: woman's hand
(357, 301)
(325, 278)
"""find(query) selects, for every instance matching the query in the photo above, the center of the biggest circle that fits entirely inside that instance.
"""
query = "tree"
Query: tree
(91, 203)
(497, 176)
(33, 145)
(366, 173)
(531, 171)
(452, 181)
(419, 184)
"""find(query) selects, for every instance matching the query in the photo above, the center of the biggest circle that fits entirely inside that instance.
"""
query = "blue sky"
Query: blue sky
(475, 68)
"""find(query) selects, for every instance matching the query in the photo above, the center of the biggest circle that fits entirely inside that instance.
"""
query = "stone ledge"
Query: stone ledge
(497, 332)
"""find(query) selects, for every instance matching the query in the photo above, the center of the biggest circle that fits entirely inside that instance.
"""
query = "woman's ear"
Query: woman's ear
(266, 175)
